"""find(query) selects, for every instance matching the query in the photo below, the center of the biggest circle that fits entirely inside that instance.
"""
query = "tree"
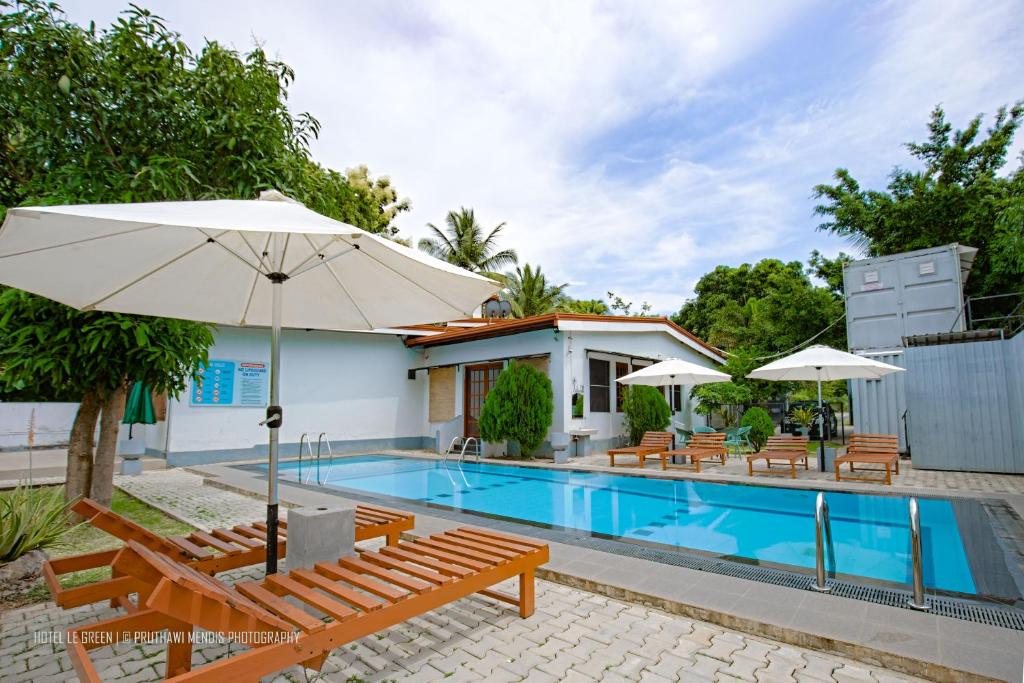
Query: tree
(519, 408)
(644, 409)
(623, 307)
(47, 344)
(761, 426)
(131, 114)
(829, 270)
(465, 246)
(961, 193)
(528, 291)
(765, 308)
(584, 306)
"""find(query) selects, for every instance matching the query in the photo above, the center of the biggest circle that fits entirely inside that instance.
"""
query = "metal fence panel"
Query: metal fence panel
(965, 405)
(879, 405)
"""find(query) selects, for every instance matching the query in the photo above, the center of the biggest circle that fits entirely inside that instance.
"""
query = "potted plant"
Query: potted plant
(804, 417)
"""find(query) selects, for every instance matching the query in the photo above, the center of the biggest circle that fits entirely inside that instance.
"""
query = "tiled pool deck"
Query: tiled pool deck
(606, 617)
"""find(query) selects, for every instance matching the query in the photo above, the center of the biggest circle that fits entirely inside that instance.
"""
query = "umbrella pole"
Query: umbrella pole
(821, 428)
(274, 419)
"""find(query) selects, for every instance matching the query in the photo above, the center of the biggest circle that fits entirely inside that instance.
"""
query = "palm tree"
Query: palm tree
(588, 306)
(465, 246)
(529, 292)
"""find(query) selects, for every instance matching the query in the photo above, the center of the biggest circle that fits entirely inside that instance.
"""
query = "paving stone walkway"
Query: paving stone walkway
(573, 636)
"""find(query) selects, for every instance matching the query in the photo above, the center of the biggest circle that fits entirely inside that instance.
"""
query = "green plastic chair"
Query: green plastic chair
(704, 430)
(738, 439)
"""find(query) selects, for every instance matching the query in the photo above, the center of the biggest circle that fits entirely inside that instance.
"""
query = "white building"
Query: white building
(420, 386)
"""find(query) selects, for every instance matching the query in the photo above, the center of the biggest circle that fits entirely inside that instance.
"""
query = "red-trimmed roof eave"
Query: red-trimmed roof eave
(504, 328)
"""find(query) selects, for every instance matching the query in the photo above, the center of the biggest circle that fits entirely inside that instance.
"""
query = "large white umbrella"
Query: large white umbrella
(822, 363)
(674, 371)
(267, 262)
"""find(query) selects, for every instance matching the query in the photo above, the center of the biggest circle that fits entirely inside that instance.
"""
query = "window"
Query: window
(621, 370)
(599, 389)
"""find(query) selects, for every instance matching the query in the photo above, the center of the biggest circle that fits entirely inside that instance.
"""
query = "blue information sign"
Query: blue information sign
(230, 383)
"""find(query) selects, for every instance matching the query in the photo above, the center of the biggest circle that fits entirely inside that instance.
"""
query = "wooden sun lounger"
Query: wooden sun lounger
(211, 553)
(653, 443)
(870, 449)
(788, 450)
(703, 446)
(362, 594)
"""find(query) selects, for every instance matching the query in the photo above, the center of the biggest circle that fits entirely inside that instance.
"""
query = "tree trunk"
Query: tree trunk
(80, 443)
(103, 466)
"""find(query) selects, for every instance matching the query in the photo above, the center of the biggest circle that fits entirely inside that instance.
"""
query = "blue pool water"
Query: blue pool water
(766, 524)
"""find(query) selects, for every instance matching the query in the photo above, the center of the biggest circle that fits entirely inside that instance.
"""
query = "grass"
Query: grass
(88, 539)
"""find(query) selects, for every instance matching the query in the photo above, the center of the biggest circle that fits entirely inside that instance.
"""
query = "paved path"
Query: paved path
(573, 636)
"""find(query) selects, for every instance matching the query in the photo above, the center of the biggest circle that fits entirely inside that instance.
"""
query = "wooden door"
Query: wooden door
(480, 379)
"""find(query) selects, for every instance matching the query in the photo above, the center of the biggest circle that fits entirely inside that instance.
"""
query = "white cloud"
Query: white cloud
(496, 105)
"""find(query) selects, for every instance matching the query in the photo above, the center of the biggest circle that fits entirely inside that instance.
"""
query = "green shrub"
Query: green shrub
(645, 410)
(30, 519)
(761, 426)
(519, 408)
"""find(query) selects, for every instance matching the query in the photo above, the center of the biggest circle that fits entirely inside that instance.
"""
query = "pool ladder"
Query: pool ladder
(823, 544)
(464, 443)
(320, 441)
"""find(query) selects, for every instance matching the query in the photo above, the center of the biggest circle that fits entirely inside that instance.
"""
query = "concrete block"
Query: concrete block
(320, 534)
(131, 466)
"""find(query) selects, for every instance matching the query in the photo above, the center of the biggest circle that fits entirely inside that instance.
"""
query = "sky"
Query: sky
(628, 146)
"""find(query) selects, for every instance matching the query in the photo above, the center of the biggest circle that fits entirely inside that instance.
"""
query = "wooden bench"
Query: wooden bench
(870, 449)
(786, 450)
(703, 446)
(208, 552)
(361, 595)
(653, 443)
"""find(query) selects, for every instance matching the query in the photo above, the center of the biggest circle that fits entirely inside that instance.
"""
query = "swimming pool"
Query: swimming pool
(767, 525)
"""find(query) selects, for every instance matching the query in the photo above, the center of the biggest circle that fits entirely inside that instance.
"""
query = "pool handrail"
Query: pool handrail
(822, 528)
(918, 602)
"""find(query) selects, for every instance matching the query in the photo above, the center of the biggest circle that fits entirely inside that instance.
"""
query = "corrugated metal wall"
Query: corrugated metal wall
(965, 406)
(878, 405)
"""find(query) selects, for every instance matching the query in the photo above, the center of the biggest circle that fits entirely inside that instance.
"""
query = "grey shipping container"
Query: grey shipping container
(880, 405)
(916, 292)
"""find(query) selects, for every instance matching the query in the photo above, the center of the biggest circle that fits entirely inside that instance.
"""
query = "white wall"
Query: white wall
(351, 385)
(52, 423)
(619, 346)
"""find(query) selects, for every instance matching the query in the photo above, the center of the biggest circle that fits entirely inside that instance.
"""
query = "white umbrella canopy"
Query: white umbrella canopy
(673, 371)
(822, 363)
(266, 262)
(209, 261)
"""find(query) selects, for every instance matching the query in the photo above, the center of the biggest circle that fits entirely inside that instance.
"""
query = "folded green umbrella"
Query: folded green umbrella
(138, 408)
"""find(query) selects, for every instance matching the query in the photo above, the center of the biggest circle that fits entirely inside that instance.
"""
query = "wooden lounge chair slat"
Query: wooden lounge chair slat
(228, 535)
(472, 554)
(375, 517)
(189, 547)
(397, 514)
(279, 606)
(366, 583)
(490, 541)
(328, 606)
(475, 545)
(489, 533)
(352, 597)
(250, 531)
(418, 547)
(408, 582)
(417, 571)
(438, 565)
(214, 542)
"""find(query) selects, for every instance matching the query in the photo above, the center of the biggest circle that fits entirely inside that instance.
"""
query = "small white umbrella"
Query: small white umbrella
(267, 262)
(674, 371)
(822, 363)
